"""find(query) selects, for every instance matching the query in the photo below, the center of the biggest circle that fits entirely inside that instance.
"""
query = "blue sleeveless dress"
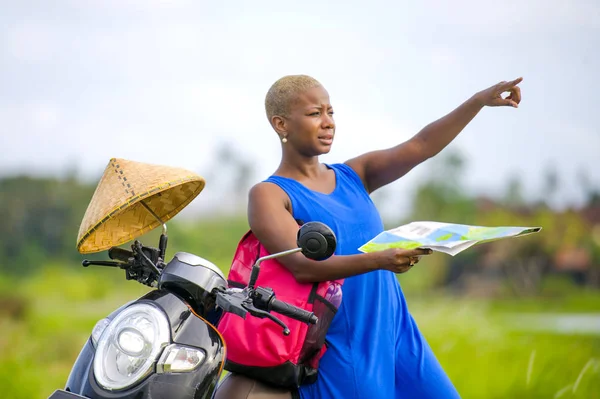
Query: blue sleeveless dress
(375, 349)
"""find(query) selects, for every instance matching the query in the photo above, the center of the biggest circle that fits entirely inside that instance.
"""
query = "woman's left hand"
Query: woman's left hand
(492, 96)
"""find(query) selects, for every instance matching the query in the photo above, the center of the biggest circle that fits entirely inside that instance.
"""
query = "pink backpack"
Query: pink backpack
(257, 347)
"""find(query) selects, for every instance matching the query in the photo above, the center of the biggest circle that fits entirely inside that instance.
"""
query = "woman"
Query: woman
(375, 348)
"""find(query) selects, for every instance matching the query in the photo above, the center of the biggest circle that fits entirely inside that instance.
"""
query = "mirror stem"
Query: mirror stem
(256, 267)
(164, 226)
(162, 246)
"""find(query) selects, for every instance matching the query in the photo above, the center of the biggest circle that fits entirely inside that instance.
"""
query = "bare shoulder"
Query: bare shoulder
(265, 191)
(381, 167)
(358, 166)
(270, 217)
(265, 195)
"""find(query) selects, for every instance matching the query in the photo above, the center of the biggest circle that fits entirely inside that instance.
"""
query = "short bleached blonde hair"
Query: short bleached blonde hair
(284, 91)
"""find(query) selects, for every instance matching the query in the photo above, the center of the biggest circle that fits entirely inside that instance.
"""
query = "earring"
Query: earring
(284, 140)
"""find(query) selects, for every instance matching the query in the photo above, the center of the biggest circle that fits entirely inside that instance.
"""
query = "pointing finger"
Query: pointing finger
(512, 83)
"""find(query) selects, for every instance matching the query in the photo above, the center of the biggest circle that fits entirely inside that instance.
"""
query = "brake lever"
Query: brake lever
(86, 263)
(261, 314)
(240, 303)
(232, 302)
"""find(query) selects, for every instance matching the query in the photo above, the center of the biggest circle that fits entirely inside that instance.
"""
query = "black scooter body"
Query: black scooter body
(192, 293)
(187, 329)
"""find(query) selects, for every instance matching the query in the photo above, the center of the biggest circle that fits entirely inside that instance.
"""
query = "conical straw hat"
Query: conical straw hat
(116, 214)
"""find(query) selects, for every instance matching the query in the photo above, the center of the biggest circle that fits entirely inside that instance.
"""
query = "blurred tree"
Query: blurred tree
(443, 197)
(513, 196)
(234, 175)
(591, 193)
(40, 218)
(551, 183)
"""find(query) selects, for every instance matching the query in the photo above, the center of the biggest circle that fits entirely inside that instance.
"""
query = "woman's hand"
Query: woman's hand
(492, 96)
(400, 260)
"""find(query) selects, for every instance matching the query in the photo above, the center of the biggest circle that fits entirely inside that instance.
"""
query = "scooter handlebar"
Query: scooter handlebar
(292, 311)
(121, 254)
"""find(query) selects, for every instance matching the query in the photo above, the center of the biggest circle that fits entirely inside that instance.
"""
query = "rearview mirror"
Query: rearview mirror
(317, 240)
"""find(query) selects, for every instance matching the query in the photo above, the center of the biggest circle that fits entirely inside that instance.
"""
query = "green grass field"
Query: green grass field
(53, 313)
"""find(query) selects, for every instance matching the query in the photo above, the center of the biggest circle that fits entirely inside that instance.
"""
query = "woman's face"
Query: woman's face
(309, 127)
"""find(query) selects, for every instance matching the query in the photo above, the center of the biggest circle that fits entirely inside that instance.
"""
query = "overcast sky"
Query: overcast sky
(165, 81)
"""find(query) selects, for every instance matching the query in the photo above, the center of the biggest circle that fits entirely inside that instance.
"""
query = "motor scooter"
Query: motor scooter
(165, 344)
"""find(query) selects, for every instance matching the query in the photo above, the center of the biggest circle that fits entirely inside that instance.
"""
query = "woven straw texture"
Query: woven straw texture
(116, 215)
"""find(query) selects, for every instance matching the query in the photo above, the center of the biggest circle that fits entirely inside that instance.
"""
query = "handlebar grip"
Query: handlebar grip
(292, 311)
(121, 254)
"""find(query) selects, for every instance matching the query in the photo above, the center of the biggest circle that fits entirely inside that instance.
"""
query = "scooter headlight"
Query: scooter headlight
(130, 345)
(98, 330)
